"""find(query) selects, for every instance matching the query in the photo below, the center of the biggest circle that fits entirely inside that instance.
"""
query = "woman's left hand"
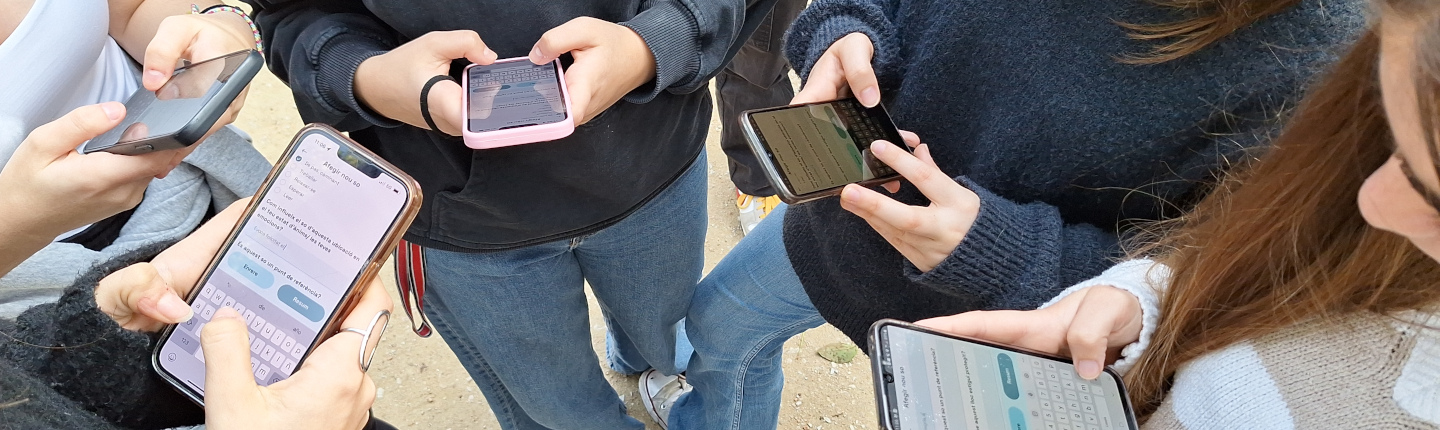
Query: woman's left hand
(925, 235)
(148, 296)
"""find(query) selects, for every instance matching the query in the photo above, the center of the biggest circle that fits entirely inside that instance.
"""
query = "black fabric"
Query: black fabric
(758, 77)
(510, 197)
(101, 234)
(1066, 145)
(72, 349)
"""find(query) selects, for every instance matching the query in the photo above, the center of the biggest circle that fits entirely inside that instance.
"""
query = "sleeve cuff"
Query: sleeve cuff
(1146, 280)
(671, 34)
(336, 59)
(819, 27)
(985, 263)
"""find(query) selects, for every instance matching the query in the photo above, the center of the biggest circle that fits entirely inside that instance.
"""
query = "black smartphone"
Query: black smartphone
(812, 151)
(315, 233)
(179, 113)
(930, 380)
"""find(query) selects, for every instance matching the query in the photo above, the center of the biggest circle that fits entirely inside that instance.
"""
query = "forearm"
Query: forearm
(22, 236)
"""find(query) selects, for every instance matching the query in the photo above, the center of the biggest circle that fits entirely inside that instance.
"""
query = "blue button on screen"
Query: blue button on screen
(297, 301)
(250, 270)
(1007, 377)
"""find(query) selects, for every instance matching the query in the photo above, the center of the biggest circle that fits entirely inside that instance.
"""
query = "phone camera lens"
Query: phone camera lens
(889, 379)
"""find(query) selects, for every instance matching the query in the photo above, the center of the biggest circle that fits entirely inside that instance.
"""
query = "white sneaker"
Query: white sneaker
(658, 392)
(752, 209)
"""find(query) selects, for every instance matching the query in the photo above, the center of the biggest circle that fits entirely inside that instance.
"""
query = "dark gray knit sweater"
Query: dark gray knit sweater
(1028, 105)
(68, 366)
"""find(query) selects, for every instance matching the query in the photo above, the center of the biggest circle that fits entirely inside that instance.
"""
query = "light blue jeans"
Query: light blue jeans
(518, 319)
(741, 316)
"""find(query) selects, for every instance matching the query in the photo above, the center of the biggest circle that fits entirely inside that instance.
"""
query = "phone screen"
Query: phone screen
(514, 94)
(295, 257)
(826, 145)
(938, 382)
(170, 108)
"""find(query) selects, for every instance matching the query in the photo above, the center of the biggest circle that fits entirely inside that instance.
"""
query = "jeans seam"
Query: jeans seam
(745, 370)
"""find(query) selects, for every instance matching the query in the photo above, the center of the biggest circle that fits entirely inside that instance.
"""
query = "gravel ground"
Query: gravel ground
(422, 386)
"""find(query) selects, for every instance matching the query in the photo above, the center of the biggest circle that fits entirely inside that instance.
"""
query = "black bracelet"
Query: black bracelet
(425, 99)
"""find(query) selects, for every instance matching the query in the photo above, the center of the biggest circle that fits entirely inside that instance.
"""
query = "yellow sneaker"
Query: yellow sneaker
(753, 209)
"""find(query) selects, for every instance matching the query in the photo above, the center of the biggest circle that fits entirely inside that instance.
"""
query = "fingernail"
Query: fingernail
(870, 97)
(491, 54)
(225, 312)
(1088, 369)
(175, 309)
(154, 75)
(535, 55)
(112, 110)
(878, 146)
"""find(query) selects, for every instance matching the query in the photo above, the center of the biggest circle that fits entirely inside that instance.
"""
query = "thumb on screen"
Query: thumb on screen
(226, 344)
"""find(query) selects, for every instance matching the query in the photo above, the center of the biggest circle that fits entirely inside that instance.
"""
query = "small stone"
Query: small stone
(840, 352)
(379, 393)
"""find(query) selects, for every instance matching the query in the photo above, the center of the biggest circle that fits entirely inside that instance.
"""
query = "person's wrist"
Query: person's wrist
(365, 92)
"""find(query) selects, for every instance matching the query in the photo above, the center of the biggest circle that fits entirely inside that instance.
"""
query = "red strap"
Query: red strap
(410, 277)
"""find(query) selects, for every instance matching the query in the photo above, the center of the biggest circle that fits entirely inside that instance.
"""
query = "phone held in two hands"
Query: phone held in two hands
(315, 234)
(514, 101)
(183, 110)
(812, 151)
(930, 380)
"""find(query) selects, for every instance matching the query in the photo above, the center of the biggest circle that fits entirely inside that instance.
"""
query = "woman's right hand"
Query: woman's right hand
(390, 83)
(843, 69)
(328, 391)
(1090, 325)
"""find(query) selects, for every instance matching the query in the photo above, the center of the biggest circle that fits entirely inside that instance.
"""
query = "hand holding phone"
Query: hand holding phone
(329, 391)
(611, 60)
(514, 101)
(928, 379)
(844, 70)
(184, 110)
(51, 189)
(312, 238)
(812, 151)
(390, 83)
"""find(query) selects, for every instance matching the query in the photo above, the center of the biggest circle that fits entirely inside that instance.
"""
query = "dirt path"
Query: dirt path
(422, 386)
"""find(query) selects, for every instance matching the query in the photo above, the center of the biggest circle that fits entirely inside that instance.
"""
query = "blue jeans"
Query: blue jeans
(518, 321)
(741, 316)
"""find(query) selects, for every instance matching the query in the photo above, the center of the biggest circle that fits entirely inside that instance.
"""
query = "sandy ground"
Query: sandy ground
(422, 386)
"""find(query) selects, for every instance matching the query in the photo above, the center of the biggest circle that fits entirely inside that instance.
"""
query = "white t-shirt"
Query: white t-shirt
(60, 57)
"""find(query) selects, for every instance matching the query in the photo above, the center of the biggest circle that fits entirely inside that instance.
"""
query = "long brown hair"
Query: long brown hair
(1205, 22)
(1290, 244)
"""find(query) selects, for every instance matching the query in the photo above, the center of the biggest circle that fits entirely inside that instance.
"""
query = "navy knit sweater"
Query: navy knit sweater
(1064, 144)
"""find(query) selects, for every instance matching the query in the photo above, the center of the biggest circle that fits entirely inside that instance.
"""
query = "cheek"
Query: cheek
(1387, 202)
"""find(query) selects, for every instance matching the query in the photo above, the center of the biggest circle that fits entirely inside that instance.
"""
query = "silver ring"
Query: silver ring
(365, 338)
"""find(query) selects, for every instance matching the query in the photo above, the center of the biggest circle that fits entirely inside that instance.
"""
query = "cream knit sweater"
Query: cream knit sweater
(1364, 372)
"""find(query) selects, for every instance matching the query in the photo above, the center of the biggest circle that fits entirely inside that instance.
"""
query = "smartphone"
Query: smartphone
(812, 151)
(313, 236)
(930, 380)
(514, 101)
(179, 113)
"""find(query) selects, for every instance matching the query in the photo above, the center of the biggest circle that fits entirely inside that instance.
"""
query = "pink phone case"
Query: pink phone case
(519, 135)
